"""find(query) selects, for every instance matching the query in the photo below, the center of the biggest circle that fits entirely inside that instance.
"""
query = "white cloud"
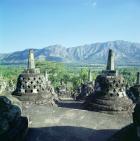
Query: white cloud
(94, 3)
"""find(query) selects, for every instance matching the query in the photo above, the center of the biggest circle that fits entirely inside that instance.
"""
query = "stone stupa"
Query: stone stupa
(86, 88)
(134, 91)
(13, 126)
(34, 87)
(109, 93)
(3, 84)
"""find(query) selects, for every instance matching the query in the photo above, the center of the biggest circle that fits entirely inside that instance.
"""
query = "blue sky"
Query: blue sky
(39, 23)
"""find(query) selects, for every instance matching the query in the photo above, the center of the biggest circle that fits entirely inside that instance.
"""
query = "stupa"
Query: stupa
(86, 88)
(109, 92)
(134, 91)
(3, 84)
(33, 86)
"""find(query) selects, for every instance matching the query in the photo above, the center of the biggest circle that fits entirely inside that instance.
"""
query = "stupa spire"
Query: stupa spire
(111, 60)
(31, 60)
(138, 78)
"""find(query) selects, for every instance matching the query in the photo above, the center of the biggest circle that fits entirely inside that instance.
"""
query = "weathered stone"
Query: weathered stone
(132, 131)
(111, 60)
(11, 86)
(109, 92)
(13, 127)
(89, 76)
(3, 84)
(85, 90)
(61, 124)
(34, 87)
(134, 91)
(138, 78)
(31, 60)
(63, 91)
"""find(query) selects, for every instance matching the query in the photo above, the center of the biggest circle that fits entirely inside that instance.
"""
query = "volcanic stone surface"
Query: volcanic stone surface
(13, 126)
(109, 95)
(69, 123)
(134, 91)
(85, 90)
(33, 86)
(3, 84)
(130, 132)
(110, 91)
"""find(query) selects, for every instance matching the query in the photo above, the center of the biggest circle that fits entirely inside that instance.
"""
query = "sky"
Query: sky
(40, 23)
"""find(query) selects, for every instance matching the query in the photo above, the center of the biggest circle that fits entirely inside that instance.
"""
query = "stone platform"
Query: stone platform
(70, 123)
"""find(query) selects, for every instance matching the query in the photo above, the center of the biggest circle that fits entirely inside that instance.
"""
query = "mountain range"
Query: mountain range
(127, 53)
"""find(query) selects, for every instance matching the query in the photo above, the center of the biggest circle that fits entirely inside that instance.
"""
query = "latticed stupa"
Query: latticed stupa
(109, 93)
(134, 91)
(33, 86)
(86, 88)
(3, 84)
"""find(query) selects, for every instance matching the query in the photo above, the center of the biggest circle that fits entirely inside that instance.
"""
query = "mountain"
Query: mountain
(127, 53)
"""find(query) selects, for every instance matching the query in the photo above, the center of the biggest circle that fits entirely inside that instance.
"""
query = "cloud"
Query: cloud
(94, 3)
(91, 3)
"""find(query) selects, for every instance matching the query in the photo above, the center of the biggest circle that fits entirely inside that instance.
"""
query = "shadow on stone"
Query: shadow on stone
(70, 104)
(127, 133)
(13, 127)
(68, 133)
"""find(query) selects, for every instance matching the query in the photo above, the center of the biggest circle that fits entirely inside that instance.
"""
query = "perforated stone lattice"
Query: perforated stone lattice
(111, 85)
(109, 95)
(31, 83)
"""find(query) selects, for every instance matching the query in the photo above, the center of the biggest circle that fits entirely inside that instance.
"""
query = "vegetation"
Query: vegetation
(10, 72)
(129, 74)
(59, 73)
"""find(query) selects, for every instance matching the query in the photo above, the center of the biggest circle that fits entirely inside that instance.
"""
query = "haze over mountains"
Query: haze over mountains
(127, 53)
